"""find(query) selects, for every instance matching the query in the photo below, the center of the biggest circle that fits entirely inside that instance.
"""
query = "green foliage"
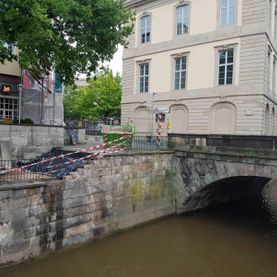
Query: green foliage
(73, 35)
(100, 99)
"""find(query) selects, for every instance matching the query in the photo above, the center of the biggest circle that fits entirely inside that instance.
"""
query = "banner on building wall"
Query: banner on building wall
(32, 83)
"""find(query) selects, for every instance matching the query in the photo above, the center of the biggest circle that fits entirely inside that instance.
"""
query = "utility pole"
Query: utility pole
(41, 102)
(20, 102)
(54, 96)
(20, 90)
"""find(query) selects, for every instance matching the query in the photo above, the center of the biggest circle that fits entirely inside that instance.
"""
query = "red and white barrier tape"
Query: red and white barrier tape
(23, 168)
(159, 129)
(104, 151)
(72, 153)
(84, 158)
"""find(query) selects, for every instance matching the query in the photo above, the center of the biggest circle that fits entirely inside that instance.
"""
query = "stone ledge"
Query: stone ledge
(135, 153)
(21, 185)
(221, 155)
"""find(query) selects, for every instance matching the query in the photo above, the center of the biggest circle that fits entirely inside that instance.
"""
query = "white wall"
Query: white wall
(10, 68)
(31, 141)
(204, 18)
(201, 67)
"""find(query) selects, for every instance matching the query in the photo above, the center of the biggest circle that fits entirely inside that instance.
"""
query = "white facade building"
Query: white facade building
(210, 63)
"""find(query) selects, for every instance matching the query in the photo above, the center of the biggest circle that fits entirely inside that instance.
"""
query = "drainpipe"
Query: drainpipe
(20, 102)
(20, 88)
(41, 102)
(54, 96)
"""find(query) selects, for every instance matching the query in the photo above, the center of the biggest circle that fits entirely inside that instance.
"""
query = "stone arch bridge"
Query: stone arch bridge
(209, 173)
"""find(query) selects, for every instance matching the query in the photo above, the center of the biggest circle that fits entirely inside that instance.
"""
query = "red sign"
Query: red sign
(6, 89)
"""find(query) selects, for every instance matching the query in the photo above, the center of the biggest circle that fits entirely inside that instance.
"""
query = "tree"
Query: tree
(100, 99)
(73, 35)
(70, 100)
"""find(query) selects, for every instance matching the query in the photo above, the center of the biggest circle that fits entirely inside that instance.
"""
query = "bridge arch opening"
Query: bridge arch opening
(225, 190)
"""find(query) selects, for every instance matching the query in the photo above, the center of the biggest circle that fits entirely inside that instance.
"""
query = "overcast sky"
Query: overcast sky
(116, 64)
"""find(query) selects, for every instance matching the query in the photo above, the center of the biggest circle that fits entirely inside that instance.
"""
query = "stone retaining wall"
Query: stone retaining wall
(105, 196)
(31, 141)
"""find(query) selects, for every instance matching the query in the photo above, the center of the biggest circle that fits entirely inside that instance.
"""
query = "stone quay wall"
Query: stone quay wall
(28, 142)
(107, 195)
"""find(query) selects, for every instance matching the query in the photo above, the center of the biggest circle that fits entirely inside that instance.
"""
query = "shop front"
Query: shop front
(9, 108)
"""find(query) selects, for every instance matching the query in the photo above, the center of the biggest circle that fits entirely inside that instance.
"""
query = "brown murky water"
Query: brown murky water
(233, 240)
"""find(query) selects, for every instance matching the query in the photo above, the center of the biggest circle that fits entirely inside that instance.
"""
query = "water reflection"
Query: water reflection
(237, 239)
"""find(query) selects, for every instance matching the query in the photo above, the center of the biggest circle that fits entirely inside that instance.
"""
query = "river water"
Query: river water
(238, 239)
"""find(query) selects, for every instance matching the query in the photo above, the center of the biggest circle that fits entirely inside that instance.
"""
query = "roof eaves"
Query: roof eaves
(135, 3)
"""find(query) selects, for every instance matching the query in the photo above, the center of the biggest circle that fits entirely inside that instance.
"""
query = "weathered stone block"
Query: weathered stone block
(107, 194)
(16, 246)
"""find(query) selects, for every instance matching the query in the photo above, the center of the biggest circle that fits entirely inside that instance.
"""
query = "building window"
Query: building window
(275, 23)
(228, 12)
(8, 108)
(180, 73)
(269, 72)
(182, 19)
(274, 76)
(226, 66)
(145, 28)
(143, 77)
(272, 17)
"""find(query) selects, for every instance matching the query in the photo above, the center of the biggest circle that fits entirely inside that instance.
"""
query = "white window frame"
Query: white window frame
(183, 19)
(143, 77)
(8, 108)
(269, 68)
(225, 65)
(179, 72)
(145, 29)
(228, 7)
(274, 75)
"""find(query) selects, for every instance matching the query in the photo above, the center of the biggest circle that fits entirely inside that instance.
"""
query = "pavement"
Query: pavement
(90, 141)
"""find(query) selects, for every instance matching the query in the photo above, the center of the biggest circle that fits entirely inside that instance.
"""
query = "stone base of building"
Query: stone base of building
(227, 114)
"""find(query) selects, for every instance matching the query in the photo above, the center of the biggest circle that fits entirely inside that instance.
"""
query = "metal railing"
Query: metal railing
(14, 171)
(224, 142)
(147, 143)
(94, 131)
(31, 170)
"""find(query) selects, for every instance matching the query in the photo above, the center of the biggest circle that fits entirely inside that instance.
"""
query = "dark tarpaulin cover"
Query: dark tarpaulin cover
(60, 167)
